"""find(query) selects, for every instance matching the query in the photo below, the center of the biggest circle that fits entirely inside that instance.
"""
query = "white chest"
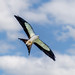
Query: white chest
(33, 38)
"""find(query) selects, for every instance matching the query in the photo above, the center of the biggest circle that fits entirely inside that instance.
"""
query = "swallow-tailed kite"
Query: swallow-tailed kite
(33, 39)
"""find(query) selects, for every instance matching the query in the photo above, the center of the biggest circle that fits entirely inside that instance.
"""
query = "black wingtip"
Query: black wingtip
(52, 55)
(20, 20)
(54, 59)
(48, 53)
(16, 16)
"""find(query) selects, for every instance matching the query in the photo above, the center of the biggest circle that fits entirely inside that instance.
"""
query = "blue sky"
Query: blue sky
(53, 21)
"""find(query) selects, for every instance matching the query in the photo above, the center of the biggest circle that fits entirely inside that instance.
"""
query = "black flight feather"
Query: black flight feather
(22, 23)
(49, 53)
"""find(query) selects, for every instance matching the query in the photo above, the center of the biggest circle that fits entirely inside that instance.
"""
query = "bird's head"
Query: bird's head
(29, 43)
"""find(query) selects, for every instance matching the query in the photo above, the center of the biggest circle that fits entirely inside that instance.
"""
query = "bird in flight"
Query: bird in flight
(33, 39)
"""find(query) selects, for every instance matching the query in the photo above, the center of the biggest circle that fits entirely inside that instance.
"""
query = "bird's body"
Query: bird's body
(34, 39)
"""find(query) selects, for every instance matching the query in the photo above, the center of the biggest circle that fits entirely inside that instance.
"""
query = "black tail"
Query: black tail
(28, 47)
(24, 40)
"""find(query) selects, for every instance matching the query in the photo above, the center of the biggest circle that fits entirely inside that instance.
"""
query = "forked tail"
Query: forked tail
(28, 46)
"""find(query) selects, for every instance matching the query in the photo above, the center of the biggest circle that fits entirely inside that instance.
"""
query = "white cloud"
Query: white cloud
(10, 8)
(64, 65)
(62, 10)
(71, 51)
(36, 17)
(17, 6)
(5, 47)
(68, 31)
(7, 21)
(51, 12)
(15, 35)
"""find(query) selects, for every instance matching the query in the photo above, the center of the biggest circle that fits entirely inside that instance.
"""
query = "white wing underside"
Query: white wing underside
(43, 45)
(30, 30)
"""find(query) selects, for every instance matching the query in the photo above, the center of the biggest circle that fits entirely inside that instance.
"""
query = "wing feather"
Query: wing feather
(26, 26)
(44, 48)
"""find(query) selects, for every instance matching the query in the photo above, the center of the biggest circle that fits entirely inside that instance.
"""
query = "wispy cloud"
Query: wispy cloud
(51, 12)
(61, 10)
(67, 32)
(5, 47)
(71, 51)
(15, 35)
(31, 66)
(7, 22)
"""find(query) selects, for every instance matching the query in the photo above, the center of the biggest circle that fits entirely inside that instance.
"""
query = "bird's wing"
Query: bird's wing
(44, 48)
(26, 26)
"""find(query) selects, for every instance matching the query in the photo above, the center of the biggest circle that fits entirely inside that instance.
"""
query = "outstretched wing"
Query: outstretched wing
(44, 48)
(26, 26)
